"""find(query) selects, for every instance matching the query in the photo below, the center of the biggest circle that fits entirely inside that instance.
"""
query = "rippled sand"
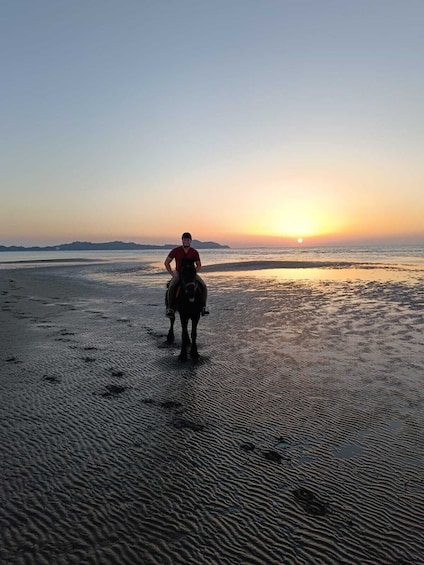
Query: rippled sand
(297, 438)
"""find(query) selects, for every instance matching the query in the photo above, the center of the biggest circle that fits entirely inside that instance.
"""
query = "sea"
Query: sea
(413, 254)
(383, 262)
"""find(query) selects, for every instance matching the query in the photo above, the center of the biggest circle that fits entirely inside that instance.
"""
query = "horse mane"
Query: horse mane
(187, 271)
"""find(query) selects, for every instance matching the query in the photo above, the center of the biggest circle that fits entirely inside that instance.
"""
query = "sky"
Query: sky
(246, 122)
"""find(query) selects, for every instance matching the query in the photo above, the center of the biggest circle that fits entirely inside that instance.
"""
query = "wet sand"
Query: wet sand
(296, 439)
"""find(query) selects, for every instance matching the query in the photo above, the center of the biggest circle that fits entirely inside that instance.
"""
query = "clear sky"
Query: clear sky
(245, 122)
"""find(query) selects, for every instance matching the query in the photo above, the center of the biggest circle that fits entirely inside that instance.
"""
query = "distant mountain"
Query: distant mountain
(110, 246)
(199, 245)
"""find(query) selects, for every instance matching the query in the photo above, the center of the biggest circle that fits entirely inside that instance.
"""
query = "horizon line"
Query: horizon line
(336, 243)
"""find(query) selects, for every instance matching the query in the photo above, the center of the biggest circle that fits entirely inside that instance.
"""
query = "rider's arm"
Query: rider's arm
(198, 265)
(168, 267)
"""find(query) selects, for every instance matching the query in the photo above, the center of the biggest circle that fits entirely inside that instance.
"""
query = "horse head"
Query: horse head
(188, 279)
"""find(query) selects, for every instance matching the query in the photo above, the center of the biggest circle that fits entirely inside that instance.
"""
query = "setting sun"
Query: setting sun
(298, 214)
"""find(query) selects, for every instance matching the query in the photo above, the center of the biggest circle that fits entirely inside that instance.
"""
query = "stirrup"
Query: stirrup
(205, 311)
(170, 313)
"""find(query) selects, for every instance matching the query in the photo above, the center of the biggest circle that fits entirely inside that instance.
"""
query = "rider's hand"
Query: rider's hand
(175, 274)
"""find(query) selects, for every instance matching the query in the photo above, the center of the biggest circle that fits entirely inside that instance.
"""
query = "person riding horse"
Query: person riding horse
(184, 251)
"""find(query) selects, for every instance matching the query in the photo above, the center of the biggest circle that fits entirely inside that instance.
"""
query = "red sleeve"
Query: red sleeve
(172, 253)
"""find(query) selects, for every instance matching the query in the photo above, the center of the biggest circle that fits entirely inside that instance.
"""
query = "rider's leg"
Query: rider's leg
(204, 295)
(172, 288)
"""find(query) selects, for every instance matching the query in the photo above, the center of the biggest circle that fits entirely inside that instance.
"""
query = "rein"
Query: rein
(189, 286)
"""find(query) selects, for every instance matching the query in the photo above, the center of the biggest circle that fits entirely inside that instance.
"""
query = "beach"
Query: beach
(297, 438)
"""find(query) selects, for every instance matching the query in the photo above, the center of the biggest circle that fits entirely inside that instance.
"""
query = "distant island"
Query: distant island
(110, 246)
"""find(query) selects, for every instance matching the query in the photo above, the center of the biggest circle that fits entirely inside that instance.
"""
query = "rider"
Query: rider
(179, 253)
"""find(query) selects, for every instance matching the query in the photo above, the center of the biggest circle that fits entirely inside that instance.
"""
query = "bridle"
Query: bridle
(189, 287)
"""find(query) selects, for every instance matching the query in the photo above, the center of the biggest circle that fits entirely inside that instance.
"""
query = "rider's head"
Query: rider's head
(186, 238)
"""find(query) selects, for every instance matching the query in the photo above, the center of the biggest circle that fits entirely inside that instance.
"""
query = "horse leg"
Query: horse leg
(170, 337)
(194, 354)
(185, 340)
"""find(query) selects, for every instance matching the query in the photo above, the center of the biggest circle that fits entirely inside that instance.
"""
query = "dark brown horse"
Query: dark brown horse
(188, 303)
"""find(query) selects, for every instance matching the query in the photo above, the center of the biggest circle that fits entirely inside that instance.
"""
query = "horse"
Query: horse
(188, 303)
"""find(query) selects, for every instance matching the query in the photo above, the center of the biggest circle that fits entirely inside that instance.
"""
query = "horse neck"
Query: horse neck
(187, 280)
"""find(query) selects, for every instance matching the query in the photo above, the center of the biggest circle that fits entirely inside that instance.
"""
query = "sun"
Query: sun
(300, 240)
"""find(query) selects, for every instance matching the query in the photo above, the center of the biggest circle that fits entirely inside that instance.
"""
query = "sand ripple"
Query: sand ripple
(296, 439)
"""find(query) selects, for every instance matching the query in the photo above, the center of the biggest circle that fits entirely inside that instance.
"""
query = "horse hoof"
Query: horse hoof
(195, 356)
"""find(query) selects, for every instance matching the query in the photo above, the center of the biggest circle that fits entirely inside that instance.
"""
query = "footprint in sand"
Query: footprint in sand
(51, 378)
(271, 455)
(268, 454)
(247, 446)
(182, 423)
(170, 404)
(64, 335)
(310, 502)
(13, 360)
(114, 390)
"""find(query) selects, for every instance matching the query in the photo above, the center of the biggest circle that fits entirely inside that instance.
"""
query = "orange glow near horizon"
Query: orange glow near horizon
(272, 213)
(298, 220)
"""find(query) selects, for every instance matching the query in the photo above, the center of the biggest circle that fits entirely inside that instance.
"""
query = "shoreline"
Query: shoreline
(243, 265)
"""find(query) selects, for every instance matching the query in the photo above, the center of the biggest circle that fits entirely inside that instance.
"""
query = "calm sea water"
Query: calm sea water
(375, 262)
(402, 254)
